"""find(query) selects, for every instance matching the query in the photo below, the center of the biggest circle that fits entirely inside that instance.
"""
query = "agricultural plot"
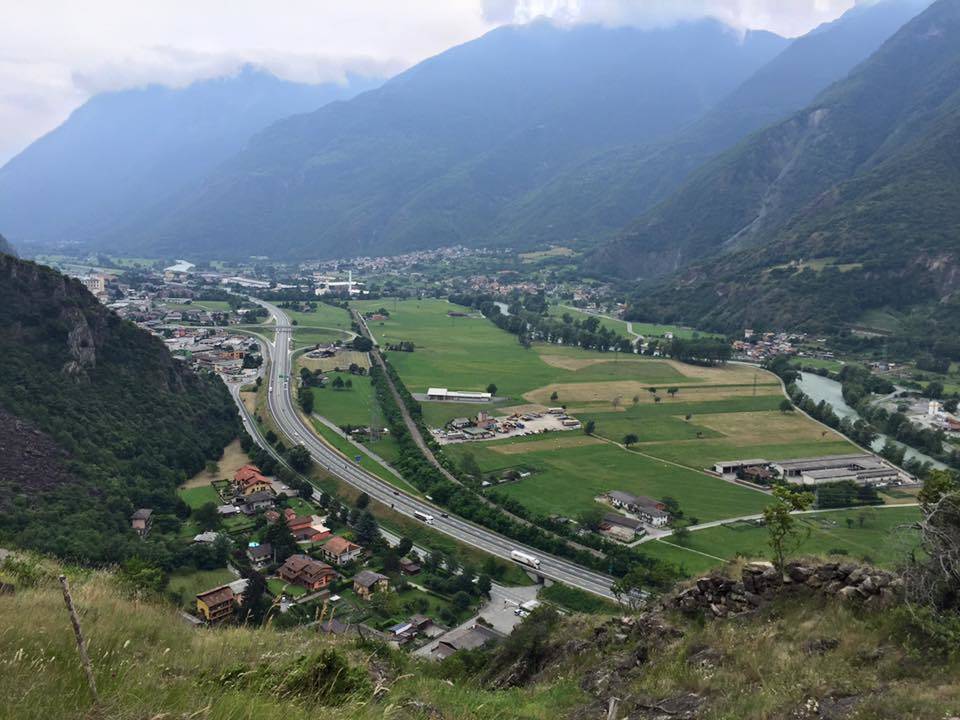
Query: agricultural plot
(685, 417)
(325, 316)
(879, 536)
(566, 477)
(347, 406)
(343, 359)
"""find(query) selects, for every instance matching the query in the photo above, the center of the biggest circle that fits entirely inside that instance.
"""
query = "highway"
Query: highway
(289, 421)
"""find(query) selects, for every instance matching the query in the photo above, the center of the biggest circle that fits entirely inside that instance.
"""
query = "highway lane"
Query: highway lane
(284, 412)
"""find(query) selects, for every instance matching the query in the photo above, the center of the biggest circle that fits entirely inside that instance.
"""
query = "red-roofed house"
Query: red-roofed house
(249, 480)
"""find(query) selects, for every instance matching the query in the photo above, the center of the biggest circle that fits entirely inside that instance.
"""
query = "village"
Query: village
(330, 566)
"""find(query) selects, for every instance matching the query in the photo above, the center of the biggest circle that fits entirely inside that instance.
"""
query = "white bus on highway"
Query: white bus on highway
(428, 519)
(522, 557)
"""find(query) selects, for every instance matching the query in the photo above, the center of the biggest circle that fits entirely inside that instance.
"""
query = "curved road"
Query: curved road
(287, 418)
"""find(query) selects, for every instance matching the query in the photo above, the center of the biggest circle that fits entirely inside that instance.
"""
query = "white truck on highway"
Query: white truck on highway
(524, 558)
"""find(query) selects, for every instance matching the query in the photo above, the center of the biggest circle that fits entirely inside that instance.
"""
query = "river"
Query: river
(819, 388)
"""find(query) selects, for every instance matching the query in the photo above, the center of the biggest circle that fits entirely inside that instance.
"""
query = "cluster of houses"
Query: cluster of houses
(330, 557)
(641, 513)
(485, 427)
(939, 418)
(209, 349)
(757, 347)
(859, 468)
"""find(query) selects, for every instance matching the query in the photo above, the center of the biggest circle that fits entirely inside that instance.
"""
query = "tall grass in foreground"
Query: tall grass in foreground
(149, 663)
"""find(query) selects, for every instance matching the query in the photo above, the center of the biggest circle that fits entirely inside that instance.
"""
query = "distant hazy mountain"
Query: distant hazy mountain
(851, 204)
(435, 154)
(602, 195)
(122, 152)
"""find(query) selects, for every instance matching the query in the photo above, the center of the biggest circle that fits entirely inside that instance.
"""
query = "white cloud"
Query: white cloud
(54, 54)
(787, 17)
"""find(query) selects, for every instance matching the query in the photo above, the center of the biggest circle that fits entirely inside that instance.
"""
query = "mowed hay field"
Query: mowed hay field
(877, 536)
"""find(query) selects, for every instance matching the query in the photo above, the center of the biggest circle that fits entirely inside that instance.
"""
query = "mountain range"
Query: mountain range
(436, 154)
(738, 178)
(850, 204)
(123, 152)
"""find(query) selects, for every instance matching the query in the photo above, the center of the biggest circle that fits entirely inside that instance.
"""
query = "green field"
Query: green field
(618, 326)
(349, 406)
(187, 584)
(717, 414)
(831, 365)
(881, 539)
(567, 479)
(325, 316)
(468, 353)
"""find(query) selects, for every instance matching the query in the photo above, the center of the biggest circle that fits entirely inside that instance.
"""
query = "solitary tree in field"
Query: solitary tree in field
(590, 427)
(554, 397)
(784, 534)
(652, 390)
(656, 399)
(636, 399)
(630, 439)
(786, 406)
(212, 467)
(673, 391)
(492, 389)
(616, 402)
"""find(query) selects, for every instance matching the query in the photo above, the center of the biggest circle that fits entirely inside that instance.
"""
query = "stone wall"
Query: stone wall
(760, 582)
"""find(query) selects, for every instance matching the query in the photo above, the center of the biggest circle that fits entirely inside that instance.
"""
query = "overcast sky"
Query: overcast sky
(54, 54)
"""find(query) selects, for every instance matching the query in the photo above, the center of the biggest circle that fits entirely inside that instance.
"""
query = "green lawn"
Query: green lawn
(187, 584)
(300, 506)
(277, 586)
(566, 480)
(881, 539)
(198, 496)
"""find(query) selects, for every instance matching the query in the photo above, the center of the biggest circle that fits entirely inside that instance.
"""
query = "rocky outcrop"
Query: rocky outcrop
(760, 582)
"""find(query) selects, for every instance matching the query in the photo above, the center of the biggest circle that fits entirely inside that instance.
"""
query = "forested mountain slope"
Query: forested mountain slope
(850, 204)
(897, 99)
(435, 154)
(123, 152)
(97, 419)
(598, 198)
